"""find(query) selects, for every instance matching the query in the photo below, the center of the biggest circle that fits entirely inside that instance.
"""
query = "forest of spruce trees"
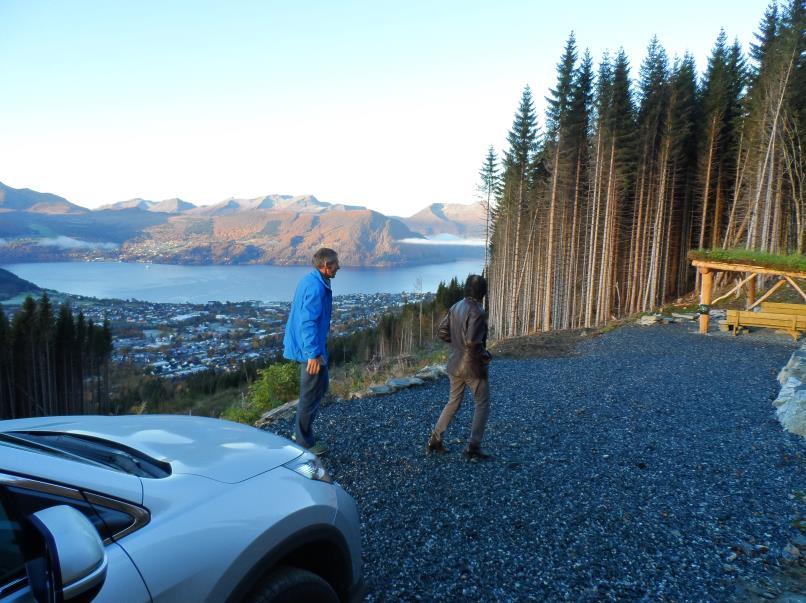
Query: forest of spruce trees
(592, 216)
(52, 364)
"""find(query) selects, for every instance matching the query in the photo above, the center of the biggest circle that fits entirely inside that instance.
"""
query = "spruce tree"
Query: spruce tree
(559, 101)
(489, 188)
(105, 348)
(44, 354)
(509, 221)
(686, 117)
(23, 335)
(6, 373)
(768, 187)
(81, 361)
(765, 37)
(645, 211)
(578, 129)
(65, 360)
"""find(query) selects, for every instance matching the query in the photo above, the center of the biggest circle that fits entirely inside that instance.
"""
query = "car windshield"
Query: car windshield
(93, 450)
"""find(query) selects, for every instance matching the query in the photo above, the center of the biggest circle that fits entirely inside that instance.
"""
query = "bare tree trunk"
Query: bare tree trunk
(707, 191)
(555, 178)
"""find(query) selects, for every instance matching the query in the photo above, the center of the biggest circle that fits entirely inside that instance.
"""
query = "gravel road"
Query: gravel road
(646, 466)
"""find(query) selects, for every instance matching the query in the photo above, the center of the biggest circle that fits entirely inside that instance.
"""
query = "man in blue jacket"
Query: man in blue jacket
(305, 342)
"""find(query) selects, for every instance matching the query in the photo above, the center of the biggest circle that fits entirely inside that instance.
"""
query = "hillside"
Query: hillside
(464, 221)
(24, 199)
(288, 234)
(11, 285)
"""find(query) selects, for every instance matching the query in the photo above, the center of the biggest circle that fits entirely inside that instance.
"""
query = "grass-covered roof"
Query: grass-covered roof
(794, 262)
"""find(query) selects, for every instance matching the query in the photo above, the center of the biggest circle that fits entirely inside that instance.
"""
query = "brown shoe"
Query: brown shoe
(435, 445)
(475, 453)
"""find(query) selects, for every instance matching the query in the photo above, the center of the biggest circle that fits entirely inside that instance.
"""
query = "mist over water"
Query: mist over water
(167, 283)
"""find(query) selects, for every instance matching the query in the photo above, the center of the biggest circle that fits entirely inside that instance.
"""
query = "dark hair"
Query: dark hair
(323, 256)
(476, 287)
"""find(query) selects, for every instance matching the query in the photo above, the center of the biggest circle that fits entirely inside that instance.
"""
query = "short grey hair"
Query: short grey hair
(323, 256)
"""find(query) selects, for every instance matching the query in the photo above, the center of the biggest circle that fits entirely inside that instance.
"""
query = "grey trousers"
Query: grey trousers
(480, 389)
(311, 390)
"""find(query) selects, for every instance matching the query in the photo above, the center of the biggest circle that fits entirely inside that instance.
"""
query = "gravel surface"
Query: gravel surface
(646, 466)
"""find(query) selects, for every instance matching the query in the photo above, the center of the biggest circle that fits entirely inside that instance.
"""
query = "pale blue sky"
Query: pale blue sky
(391, 105)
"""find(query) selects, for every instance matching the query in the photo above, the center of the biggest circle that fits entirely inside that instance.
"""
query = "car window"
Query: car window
(107, 521)
(12, 563)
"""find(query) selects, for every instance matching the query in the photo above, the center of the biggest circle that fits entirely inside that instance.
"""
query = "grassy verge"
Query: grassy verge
(355, 376)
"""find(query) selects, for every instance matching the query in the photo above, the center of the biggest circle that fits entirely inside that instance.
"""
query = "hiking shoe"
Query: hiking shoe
(318, 448)
(435, 445)
(475, 453)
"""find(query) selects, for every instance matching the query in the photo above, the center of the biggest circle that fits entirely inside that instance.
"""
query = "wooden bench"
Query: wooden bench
(790, 323)
(777, 308)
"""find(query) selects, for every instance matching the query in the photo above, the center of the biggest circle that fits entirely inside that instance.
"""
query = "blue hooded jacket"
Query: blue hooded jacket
(309, 320)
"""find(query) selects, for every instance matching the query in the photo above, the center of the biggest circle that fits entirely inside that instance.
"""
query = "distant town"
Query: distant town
(178, 340)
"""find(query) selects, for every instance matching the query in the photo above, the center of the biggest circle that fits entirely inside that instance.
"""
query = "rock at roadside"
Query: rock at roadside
(649, 319)
(401, 382)
(791, 403)
(791, 400)
(281, 412)
(432, 372)
(796, 367)
(380, 390)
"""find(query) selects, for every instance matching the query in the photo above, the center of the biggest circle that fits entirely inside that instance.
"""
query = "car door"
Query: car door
(13, 580)
(24, 496)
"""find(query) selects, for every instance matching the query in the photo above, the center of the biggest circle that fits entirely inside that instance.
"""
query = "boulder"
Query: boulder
(401, 382)
(648, 319)
(792, 410)
(281, 412)
(431, 372)
(791, 400)
(381, 390)
(794, 369)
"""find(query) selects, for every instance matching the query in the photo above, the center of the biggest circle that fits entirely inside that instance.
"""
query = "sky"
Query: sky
(389, 105)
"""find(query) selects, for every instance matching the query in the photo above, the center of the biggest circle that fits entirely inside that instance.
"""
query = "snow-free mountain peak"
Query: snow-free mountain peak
(25, 199)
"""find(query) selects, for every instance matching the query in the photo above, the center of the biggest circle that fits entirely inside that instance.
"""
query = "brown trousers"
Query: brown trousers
(480, 389)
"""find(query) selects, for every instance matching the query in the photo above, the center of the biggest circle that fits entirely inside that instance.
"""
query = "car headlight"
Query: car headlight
(308, 465)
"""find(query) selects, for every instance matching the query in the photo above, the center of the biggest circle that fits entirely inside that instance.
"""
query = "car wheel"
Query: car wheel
(292, 585)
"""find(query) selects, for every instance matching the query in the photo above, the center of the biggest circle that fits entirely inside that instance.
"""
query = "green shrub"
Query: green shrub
(275, 385)
(241, 414)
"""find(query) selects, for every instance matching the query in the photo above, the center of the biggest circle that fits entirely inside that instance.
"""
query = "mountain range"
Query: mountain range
(275, 229)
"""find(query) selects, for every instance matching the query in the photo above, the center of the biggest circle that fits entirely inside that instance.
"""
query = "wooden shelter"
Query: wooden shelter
(707, 268)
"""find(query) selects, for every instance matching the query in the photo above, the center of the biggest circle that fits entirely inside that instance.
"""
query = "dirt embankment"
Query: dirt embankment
(552, 344)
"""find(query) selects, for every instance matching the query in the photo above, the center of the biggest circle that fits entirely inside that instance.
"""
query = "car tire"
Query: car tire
(292, 585)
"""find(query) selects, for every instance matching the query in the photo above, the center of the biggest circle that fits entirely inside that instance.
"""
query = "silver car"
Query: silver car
(169, 508)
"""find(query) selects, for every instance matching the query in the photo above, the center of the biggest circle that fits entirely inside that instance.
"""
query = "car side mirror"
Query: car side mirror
(73, 566)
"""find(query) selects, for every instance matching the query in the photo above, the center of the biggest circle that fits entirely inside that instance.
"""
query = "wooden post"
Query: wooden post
(751, 292)
(706, 284)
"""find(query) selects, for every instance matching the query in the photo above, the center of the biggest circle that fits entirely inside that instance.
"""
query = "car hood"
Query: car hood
(220, 450)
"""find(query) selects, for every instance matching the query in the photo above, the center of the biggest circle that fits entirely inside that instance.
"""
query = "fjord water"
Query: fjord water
(167, 283)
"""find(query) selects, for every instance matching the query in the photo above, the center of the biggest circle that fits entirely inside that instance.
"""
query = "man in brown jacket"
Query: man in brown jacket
(465, 328)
